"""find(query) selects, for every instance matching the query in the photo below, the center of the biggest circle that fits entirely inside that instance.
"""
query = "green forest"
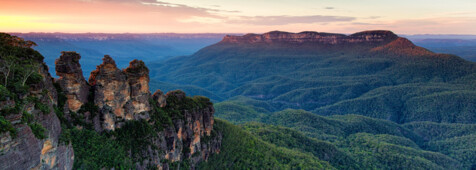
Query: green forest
(358, 108)
(395, 80)
(354, 141)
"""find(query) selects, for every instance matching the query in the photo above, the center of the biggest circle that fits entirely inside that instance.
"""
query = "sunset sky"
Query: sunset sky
(238, 16)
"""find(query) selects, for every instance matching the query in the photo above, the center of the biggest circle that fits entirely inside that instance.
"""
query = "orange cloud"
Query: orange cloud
(148, 16)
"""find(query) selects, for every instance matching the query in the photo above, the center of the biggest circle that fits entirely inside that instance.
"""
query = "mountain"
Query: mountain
(371, 73)
(112, 120)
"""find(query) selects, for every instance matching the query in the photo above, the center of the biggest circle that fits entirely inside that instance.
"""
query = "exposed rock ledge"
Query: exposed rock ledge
(378, 36)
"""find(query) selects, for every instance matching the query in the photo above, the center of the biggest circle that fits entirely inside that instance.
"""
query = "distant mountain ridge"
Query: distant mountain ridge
(379, 40)
(371, 73)
(118, 36)
(313, 37)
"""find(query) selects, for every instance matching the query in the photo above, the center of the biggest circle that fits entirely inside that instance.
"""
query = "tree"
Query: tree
(28, 70)
(6, 67)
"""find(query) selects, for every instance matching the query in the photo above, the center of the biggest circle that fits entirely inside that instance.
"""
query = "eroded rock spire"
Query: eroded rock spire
(71, 80)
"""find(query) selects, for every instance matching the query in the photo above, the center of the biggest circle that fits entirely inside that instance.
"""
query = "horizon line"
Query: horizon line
(217, 33)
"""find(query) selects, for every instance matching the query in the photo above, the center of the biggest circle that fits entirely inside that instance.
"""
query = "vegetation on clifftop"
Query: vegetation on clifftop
(19, 69)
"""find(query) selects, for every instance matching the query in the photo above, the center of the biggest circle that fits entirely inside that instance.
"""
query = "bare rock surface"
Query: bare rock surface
(71, 80)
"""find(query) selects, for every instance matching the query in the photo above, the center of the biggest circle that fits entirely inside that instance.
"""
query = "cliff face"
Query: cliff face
(189, 136)
(123, 95)
(25, 151)
(29, 111)
(38, 116)
(313, 37)
(189, 131)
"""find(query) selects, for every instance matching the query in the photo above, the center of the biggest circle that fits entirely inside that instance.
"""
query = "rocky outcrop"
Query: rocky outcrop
(190, 136)
(71, 80)
(159, 98)
(120, 94)
(180, 127)
(313, 37)
(124, 95)
(138, 79)
(111, 93)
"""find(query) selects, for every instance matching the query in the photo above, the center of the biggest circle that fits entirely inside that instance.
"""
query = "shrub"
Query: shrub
(65, 136)
(43, 107)
(61, 96)
(5, 93)
(19, 88)
(38, 130)
(6, 126)
(159, 116)
(27, 117)
(89, 107)
(10, 110)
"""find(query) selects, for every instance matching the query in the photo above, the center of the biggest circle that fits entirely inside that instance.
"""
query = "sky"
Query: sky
(238, 16)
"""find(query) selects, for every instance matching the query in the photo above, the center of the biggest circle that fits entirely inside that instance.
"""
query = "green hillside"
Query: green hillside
(392, 79)
(243, 150)
(358, 142)
(385, 105)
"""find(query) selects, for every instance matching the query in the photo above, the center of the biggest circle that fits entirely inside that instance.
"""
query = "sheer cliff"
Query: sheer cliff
(110, 121)
(30, 130)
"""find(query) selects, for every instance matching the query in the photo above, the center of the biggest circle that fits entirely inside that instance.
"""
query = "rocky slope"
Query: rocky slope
(34, 141)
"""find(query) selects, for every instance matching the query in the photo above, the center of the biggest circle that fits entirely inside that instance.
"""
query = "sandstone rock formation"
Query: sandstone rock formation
(313, 37)
(120, 94)
(138, 78)
(191, 135)
(159, 97)
(124, 95)
(182, 126)
(71, 80)
(111, 93)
